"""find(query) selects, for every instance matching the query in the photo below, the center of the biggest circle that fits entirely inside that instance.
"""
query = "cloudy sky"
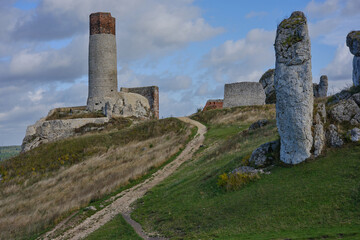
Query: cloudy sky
(189, 48)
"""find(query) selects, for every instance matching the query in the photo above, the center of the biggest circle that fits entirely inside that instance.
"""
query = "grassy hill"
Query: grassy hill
(318, 199)
(46, 184)
(9, 151)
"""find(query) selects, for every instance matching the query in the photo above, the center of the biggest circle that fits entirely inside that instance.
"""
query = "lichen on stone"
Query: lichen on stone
(297, 18)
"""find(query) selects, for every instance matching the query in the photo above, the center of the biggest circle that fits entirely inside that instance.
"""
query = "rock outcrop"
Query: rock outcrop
(44, 131)
(353, 42)
(319, 132)
(354, 134)
(332, 137)
(294, 90)
(258, 124)
(267, 81)
(344, 111)
(263, 155)
(320, 90)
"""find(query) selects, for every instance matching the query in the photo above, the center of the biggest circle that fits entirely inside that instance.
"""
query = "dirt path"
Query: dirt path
(124, 199)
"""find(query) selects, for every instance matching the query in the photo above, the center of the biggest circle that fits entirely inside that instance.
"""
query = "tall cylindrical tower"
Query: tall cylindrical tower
(102, 60)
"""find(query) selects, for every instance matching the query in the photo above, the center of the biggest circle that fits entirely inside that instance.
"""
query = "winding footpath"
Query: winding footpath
(124, 199)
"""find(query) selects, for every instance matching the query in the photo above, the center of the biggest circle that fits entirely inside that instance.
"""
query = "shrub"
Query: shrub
(234, 181)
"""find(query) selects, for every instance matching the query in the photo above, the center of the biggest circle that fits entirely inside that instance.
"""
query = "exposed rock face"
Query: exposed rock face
(267, 81)
(332, 137)
(320, 90)
(294, 90)
(262, 155)
(258, 124)
(345, 110)
(249, 170)
(126, 105)
(48, 131)
(319, 133)
(355, 134)
(353, 42)
(243, 94)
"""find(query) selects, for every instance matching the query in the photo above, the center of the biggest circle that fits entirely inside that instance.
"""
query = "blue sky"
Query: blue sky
(189, 48)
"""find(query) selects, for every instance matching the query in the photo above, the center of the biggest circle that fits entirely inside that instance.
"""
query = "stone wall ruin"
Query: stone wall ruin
(243, 94)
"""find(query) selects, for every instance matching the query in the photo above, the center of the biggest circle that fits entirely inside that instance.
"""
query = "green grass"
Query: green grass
(316, 199)
(9, 151)
(118, 228)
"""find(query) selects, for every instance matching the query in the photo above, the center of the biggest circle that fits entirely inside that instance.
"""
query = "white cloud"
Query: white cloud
(242, 60)
(320, 9)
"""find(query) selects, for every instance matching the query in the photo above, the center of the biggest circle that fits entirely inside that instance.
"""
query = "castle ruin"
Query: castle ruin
(243, 94)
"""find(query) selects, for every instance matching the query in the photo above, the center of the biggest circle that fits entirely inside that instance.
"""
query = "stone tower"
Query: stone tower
(102, 60)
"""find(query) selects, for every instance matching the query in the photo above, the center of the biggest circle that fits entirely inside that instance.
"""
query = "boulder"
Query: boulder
(267, 82)
(262, 156)
(294, 90)
(354, 134)
(258, 124)
(345, 110)
(248, 170)
(319, 139)
(356, 98)
(332, 137)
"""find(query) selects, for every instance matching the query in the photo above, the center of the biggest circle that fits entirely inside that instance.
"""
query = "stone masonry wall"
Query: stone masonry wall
(151, 93)
(243, 94)
(213, 104)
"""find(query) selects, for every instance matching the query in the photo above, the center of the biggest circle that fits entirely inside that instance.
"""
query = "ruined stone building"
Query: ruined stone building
(104, 100)
(213, 104)
(243, 94)
(103, 86)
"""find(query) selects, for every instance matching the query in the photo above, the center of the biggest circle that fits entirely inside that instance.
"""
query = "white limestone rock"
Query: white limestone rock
(332, 137)
(261, 156)
(267, 81)
(294, 90)
(345, 110)
(355, 134)
(52, 130)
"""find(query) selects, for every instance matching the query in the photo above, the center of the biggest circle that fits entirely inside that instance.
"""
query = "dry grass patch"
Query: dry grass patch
(32, 206)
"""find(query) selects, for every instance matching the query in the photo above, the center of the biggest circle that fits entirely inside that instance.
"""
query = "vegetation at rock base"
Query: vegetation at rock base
(46, 184)
(72, 113)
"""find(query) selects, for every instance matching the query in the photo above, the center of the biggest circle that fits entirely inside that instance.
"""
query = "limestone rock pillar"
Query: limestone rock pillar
(353, 42)
(294, 89)
(102, 60)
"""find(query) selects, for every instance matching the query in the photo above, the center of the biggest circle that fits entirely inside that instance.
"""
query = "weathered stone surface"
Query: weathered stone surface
(48, 131)
(126, 105)
(213, 104)
(356, 98)
(319, 139)
(356, 71)
(258, 124)
(332, 137)
(294, 90)
(345, 110)
(353, 42)
(319, 132)
(354, 134)
(243, 94)
(262, 155)
(320, 90)
(151, 93)
(267, 81)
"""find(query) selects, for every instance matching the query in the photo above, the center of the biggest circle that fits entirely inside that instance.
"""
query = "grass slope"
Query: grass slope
(317, 199)
(9, 151)
(42, 186)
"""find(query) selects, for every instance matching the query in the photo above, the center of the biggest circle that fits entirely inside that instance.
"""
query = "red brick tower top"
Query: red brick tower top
(102, 23)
